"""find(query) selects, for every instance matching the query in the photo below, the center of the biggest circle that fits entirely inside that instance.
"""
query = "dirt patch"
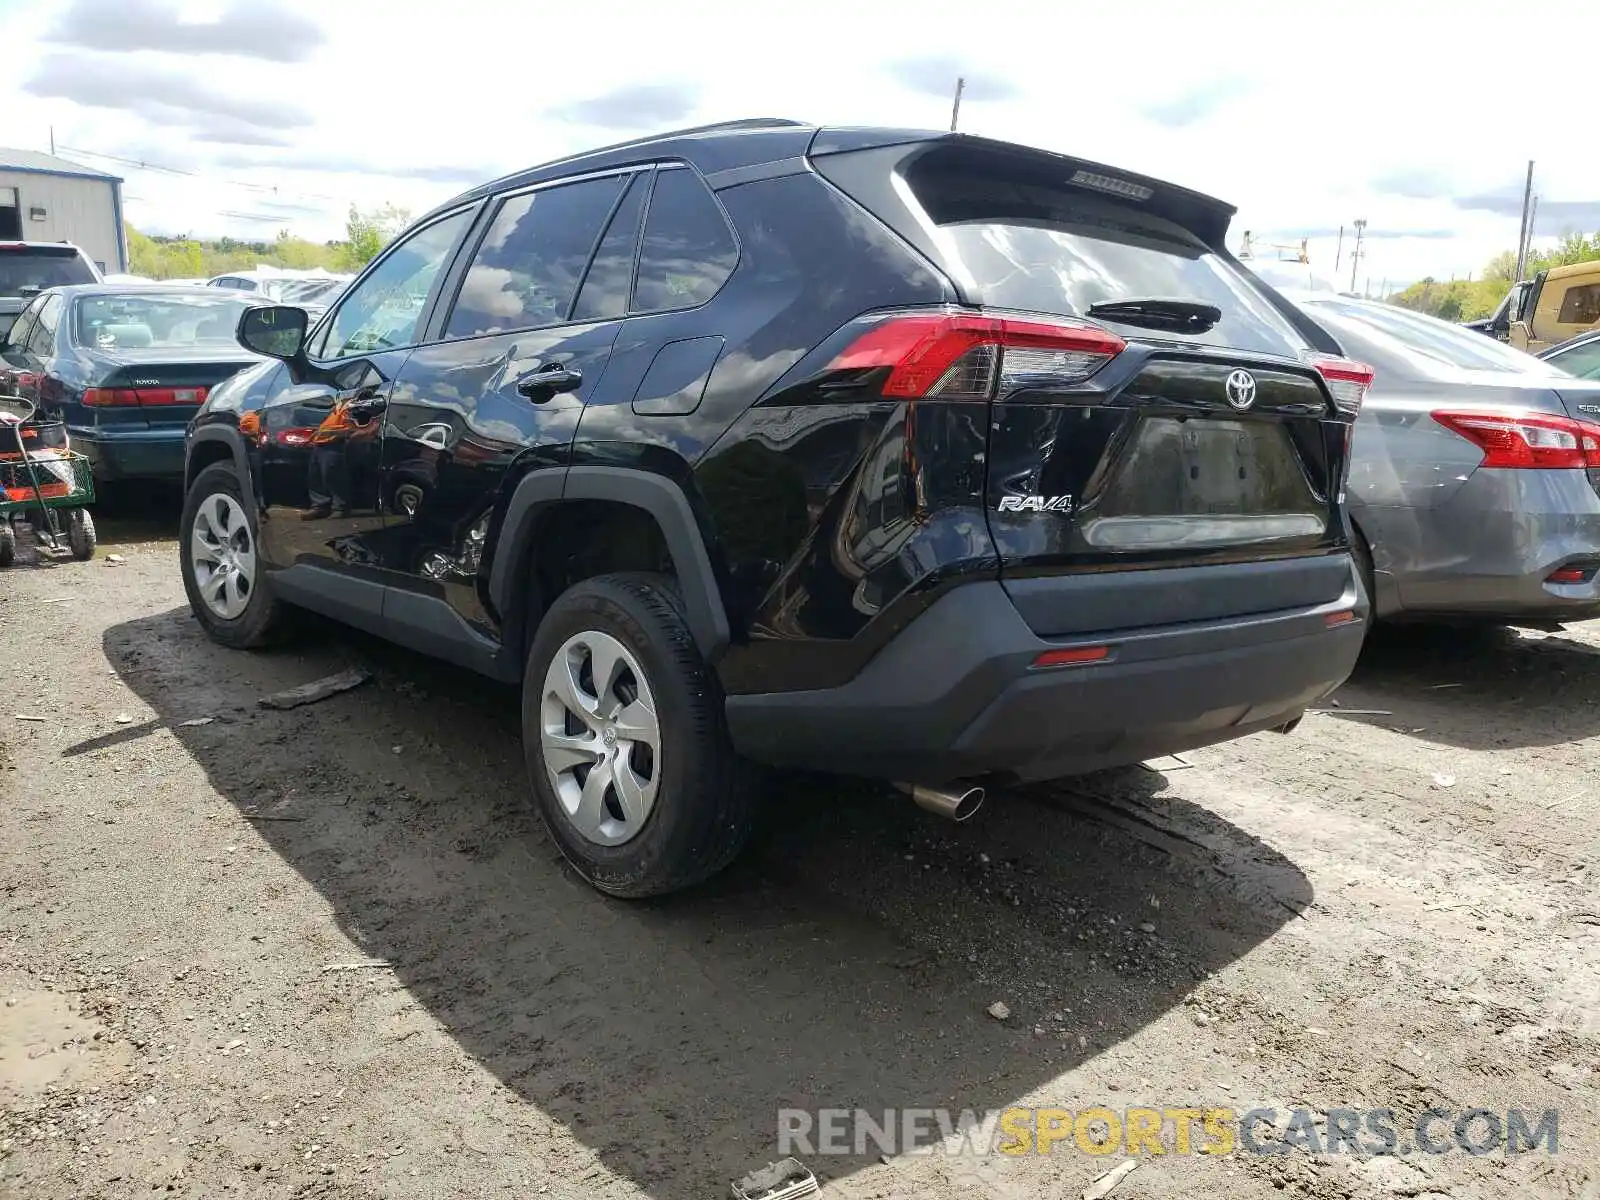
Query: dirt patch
(45, 1044)
(1394, 911)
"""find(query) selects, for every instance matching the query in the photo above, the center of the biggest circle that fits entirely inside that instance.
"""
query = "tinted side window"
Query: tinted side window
(605, 288)
(527, 269)
(23, 328)
(382, 310)
(1581, 305)
(688, 250)
(42, 341)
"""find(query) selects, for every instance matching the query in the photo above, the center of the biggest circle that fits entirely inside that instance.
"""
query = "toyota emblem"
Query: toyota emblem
(1241, 389)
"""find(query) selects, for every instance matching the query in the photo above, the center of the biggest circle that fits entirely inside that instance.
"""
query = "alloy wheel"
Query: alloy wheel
(223, 554)
(600, 737)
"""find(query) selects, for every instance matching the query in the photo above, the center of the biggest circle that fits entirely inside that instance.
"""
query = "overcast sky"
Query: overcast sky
(1418, 115)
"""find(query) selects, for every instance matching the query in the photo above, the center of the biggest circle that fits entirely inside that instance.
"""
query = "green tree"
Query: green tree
(185, 257)
(1501, 268)
(143, 253)
(297, 253)
(1573, 248)
(369, 232)
(183, 260)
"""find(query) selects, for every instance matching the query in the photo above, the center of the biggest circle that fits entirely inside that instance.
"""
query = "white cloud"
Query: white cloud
(1306, 116)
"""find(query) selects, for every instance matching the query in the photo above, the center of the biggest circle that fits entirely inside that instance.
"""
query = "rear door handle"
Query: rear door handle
(548, 381)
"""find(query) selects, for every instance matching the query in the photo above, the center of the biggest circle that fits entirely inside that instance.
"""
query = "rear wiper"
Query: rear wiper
(1173, 316)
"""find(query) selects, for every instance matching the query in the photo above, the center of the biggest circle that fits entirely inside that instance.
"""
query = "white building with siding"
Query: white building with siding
(48, 199)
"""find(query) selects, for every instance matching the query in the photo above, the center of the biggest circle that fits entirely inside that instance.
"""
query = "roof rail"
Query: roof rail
(666, 135)
(715, 127)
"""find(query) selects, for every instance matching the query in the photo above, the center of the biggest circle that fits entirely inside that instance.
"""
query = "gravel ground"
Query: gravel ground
(326, 953)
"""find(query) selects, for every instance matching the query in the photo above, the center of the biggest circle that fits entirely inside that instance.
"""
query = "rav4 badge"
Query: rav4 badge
(1038, 504)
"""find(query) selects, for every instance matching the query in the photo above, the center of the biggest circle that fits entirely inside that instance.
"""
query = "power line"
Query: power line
(259, 188)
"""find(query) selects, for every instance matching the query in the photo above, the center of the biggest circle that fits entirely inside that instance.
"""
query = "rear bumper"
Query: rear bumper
(132, 453)
(1488, 550)
(955, 696)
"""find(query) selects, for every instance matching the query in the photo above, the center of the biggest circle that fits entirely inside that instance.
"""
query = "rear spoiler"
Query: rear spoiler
(1204, 216)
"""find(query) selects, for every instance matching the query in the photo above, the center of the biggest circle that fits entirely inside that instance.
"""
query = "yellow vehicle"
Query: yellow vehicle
(1560, 303)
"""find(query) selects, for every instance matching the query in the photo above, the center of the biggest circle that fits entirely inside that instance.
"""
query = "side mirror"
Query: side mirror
(275, 330)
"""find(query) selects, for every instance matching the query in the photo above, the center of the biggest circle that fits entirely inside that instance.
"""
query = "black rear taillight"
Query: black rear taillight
(964, 356)
(1347, 381)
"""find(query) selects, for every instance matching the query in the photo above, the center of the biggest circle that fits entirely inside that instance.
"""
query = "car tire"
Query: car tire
(241, 613)
(8, 543)
(664, 816)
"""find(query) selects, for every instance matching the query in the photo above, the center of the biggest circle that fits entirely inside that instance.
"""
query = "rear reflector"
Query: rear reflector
(1334, 620)
(1075, 656)
(1347, 381)
(1570, 575)
(1527, 440)
(961, 356)
(143, 397)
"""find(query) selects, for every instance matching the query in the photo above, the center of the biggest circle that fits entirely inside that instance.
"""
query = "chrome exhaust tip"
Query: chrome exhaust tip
(957, 803)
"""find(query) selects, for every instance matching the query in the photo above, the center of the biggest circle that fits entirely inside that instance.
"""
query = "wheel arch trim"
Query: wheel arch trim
(661, 498)
(233, 440)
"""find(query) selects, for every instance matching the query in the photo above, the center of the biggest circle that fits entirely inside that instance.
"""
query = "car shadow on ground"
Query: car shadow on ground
(847, 961)
(130, 514)
(1476, 687)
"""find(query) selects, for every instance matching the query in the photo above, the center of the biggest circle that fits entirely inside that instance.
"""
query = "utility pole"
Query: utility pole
(1522, 236)
(1355, 254)
(52, 139)
(955, 108)
(1533, 218)
(1338, 250)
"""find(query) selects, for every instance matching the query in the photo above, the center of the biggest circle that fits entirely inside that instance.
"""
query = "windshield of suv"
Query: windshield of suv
(1056, 251)
(157, 321)
(1422, 337)
(41, 267)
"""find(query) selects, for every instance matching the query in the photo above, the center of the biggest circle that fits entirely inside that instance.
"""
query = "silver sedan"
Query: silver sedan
(1475, 473)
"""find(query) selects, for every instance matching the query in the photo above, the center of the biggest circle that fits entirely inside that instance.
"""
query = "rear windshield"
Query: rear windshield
(40, 267)
(1417, 345)
(1055, 250)
(158, 321)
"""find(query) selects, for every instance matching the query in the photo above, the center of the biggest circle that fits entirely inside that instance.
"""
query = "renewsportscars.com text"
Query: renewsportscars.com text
(1154, 1131)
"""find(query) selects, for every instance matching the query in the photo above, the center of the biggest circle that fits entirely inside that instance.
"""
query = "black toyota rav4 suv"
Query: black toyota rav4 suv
(909, 455)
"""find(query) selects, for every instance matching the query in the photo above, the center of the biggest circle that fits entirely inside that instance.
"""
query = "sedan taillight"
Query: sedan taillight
(1527, 440)
(142, 397)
